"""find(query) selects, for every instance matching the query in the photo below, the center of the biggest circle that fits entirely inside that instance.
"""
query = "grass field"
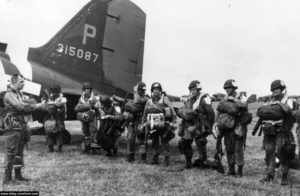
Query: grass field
(73, 173)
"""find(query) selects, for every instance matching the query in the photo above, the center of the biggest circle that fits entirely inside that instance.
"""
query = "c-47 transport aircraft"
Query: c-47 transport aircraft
(102, 44)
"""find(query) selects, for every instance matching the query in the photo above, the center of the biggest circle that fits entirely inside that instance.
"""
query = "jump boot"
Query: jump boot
(19, 177)
(231, 171)
(240, 171)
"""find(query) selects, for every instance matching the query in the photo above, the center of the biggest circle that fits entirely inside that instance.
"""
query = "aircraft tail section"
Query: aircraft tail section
(102, 44)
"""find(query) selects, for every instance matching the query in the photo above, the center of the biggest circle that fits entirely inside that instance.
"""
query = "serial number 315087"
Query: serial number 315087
(77, 52)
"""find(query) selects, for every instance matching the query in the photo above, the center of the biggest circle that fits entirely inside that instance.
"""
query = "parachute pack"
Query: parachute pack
(133, 107)
(228, 107)
(225, 121)
(270, 112)
(187, 113)
(84, 107)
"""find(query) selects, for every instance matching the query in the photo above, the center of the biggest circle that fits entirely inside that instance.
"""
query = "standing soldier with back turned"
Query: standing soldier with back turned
(15, 125)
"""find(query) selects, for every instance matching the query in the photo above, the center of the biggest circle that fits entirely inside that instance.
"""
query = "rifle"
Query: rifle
(219, 155)
(256, 127)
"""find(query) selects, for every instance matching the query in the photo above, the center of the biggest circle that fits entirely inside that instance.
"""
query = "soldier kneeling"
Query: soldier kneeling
(111, 126)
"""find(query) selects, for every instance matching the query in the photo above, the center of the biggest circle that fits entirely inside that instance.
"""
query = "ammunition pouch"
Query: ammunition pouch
(13, 122)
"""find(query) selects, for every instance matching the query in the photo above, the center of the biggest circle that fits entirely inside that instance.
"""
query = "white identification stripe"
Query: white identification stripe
(30, 87)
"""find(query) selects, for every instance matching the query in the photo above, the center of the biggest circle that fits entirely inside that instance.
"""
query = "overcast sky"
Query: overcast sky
(251, 41)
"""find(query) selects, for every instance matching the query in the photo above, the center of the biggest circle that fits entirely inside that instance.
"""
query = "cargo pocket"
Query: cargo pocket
(12, 143)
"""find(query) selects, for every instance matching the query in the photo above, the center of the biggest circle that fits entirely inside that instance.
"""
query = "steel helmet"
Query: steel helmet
(55, 89)
(141, 86)
(86, 85)
(277, 84)
(195, 84)
(156, 85)
(230, 83)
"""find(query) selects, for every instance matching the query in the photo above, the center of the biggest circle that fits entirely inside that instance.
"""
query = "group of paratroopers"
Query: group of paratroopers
(105, 118)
